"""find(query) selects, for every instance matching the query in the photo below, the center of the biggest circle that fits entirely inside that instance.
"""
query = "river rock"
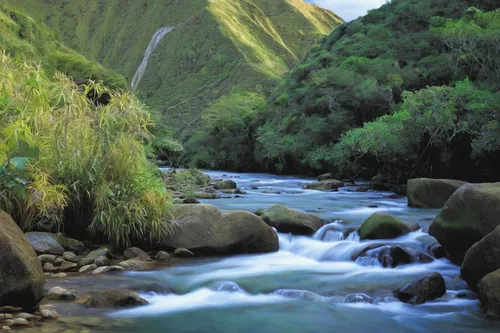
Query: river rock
(162, 255)
(481, 259)
(89, 259)
(59, 275)
(190, 201)
(102, 261)
(20, 322)
(224, 184)
(431, 193)
(393, 255)
(136, 264)
(67, 266)
(58, 261)
(292, 221)
(47, 314)
(135, 252)
(425, 289)
(44, 243)
(6, 328)
(21, 273)
(437, 250)
(69, 244)
(115, 299)
(25, 315)
(230, 287)
(382, 226)
(205, 229)
(471, 213)
(88, 268)
(489, 294)
(325, 185)
(292, 293)
(181, 252)
(61, 294)
(325, 176)
(106, 269)
(47, 258)
(69, 256)
(358, 298)
(206, 196)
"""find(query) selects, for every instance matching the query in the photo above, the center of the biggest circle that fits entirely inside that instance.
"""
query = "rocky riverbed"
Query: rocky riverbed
(341, 256)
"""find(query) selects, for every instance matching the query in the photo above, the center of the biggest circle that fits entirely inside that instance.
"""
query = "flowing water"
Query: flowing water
(303, 287)
(157, 37)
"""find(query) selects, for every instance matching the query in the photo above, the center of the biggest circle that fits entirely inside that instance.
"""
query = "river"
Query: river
(302, 287)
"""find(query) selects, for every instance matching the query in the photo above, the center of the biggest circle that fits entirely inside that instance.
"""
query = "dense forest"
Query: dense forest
(409, 90)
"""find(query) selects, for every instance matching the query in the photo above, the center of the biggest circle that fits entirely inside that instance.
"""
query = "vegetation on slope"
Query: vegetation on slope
(215, 46)
(377, 66)
(68, 162)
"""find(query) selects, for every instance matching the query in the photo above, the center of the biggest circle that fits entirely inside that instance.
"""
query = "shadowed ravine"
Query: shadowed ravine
(157, 37)
(303, 287)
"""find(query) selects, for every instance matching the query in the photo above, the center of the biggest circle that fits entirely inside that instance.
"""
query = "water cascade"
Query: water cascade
(155, 40)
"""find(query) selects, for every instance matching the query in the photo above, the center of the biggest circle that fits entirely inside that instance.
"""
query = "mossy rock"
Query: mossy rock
(224, 185)
(489, 294)
(382, 226)
(325, 185)
(21, 274)
(471, 213)
(292, 221)
(431, 193)
(481, 259)
(204, 229)
(44, 243)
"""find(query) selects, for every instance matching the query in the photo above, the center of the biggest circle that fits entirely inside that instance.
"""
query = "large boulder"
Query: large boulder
(292, 221)
(44, 243)
(204, 229)
(431, 193)
(471, 213)
(425, 289)
(382, 226)
(325, 185)
(481, 259)
(489, 294)
(21, 273)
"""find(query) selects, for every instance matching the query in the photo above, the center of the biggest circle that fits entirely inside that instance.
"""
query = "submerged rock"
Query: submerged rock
(204, 229)
(431, 193)
(382, 226)
(481, 259)
(230, 287)
(422, 290)
(292, 221)
(292, 293)
(358, 298)
(44, 243)
(21, 274)
(325, 185)
(115, 299)
(394, 255)
(471, 213)
(489, 294)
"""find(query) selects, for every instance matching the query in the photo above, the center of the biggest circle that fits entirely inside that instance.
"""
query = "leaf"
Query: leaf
(19, 162)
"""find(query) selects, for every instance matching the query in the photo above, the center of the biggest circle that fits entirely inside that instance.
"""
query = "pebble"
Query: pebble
(59, 275)
(88, 268)
(20, 322)
(162, 255)
(25, 315)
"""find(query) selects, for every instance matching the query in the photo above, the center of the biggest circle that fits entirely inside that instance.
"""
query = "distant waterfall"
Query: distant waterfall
(157, 37)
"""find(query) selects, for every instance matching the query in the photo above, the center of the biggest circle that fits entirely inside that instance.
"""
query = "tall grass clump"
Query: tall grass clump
(71, 164)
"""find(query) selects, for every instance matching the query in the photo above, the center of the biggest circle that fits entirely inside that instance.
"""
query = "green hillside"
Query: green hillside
(215, 45)
(381, 65)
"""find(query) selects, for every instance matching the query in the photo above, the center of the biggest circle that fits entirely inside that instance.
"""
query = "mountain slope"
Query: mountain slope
(377, 65)
(215, 45)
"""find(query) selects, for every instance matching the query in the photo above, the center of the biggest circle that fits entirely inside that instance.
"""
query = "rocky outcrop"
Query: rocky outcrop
(292, 221)
(471, 213)
(325, 185)
(431, 193)
(21, 275)
(422, 290)
(115, 299)
(489, 294)
(481, 259)
(382, 226)
(204, 229)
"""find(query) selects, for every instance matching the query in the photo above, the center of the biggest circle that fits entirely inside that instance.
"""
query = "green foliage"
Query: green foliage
(70, 165)
(226, 137)
(360, 75)
(21, 36)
